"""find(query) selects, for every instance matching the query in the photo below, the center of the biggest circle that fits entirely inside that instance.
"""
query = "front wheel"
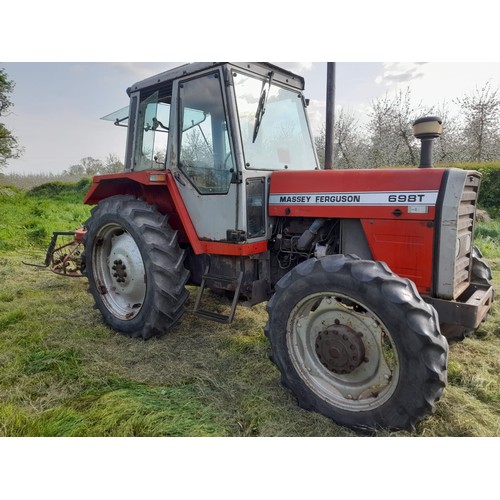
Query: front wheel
(480, 269)
(135, 267)
(357, 343)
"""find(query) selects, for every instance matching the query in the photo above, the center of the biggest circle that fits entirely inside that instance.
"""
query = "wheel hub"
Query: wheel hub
(119, 270)
(340, 349)
(126, 266)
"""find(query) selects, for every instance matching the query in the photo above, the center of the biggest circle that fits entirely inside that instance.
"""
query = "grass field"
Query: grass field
(64, 373)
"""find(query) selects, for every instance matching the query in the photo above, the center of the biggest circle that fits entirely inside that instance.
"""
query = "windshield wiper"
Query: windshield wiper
(261, 108)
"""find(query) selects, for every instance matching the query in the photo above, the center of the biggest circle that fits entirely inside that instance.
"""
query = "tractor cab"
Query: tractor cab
(221, 129)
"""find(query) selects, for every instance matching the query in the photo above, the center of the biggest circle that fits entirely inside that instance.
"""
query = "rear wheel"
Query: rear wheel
(134, 267)
(357, 343)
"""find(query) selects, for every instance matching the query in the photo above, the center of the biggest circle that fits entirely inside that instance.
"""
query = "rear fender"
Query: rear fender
(159, 188)
(156, 188)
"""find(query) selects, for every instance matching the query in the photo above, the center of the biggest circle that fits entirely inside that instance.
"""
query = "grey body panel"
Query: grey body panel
(281, 75)
(455, 232)
(353, 239)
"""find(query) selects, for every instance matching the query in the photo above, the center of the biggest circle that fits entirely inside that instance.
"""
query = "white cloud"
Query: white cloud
(398, 72)
(142, 70)
(295, 67)
(436, 83)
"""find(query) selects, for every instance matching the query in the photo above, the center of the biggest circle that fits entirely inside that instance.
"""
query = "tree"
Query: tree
(9, 146)
(75, 171)
(92, 166)
(319, 144)
(349, 146)
(481, 128)
(390, 131)
(112, 164)
(89, 166)
(449, 147)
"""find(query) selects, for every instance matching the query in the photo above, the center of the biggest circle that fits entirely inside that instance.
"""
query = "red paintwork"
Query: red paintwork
(165, 195)
(352, 181)
(406, 246)
(79, 234)
(404, 242)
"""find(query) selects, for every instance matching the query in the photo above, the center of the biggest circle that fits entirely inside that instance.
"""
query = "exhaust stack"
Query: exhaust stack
(427, 129)
(330, 115)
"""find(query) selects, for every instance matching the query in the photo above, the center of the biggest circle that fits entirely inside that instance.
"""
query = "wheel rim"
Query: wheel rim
(119, 271)
(342, 351)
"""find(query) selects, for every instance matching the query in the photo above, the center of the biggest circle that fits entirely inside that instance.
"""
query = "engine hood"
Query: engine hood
(375, 193)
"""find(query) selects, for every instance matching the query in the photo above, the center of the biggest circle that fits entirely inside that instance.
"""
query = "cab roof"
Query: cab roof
(280, 75)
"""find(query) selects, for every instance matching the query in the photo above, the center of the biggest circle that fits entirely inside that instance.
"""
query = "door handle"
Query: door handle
(178, 178)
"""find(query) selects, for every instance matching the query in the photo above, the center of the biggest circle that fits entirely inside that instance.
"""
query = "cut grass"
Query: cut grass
(60, 363)
(64, 373)
(135, 411)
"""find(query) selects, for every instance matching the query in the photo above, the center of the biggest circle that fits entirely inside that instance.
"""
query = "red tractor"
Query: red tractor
(366, 271)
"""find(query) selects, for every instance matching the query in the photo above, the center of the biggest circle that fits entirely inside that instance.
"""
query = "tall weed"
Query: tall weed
(27, 220)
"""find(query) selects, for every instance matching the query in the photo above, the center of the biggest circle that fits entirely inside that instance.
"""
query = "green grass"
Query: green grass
(488, 237)
(64, 373)
(28, 220)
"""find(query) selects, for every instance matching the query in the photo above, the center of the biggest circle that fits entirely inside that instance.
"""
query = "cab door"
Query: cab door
(205, 168)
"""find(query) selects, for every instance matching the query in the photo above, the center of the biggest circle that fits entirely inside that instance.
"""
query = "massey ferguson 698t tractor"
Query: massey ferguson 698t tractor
(366, 271)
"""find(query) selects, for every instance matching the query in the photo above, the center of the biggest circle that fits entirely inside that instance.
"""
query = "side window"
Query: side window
(205, 150)
(152, 134)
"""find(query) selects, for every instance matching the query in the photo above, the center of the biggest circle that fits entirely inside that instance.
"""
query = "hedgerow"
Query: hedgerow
(489, 194)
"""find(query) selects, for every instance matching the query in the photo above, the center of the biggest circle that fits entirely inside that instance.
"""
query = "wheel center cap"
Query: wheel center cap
(334, 352)
(340, 349)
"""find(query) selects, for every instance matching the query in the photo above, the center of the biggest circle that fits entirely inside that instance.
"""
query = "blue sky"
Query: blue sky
(58, 105)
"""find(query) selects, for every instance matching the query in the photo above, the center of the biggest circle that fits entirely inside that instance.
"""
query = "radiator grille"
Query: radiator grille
(465, 228)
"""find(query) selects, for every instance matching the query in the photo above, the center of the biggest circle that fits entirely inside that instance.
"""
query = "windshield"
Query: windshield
(281, 139)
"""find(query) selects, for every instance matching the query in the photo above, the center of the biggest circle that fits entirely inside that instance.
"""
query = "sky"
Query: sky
(72, 66)
(58, 105)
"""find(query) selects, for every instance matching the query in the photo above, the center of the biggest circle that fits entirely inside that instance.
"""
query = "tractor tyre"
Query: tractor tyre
(357, 343)
(480, 270)
(135, 267)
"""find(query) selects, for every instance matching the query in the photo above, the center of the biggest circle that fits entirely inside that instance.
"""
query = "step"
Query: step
(211, 315)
